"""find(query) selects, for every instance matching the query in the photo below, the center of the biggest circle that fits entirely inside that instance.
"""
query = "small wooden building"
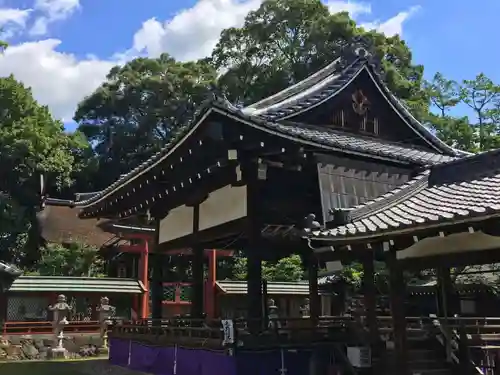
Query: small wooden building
(28, 297)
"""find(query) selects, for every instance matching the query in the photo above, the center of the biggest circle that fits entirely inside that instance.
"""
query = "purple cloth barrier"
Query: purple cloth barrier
(189, 362)
(214, 363)
(258, 363)
(297, 362)
(151, 359)
(118, 352)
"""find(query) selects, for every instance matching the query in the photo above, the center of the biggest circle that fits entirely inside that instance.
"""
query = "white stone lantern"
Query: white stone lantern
(61, 311)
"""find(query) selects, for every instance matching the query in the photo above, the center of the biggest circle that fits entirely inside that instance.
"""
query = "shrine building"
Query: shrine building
(336, 169)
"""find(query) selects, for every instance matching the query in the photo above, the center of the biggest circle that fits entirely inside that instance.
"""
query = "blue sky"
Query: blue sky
(64, 48)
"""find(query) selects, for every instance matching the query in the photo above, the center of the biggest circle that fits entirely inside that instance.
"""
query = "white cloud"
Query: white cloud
(58, 80)
(193, 32)
(13, 21)
(61, 80)
(354, 8)
(52, 11)
(394, 25)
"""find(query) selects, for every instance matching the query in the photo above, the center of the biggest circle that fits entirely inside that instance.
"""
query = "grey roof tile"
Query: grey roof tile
(460, 189)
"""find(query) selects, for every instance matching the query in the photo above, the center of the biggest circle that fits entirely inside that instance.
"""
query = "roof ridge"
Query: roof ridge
(293, 89)
(328, 80)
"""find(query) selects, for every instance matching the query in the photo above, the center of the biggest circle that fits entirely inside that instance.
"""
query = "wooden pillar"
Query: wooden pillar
(397, 300)
(210, 294)
(253, 175)
(370, 297)
(144, 277)
(314, 300)
(156, 284)
(197, 268)
(445, 299)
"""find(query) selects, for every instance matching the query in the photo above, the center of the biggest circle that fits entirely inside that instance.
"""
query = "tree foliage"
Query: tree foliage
(138, 109)
(75, 259)
(481, 96)
(285, 41)
(285, 269)
(32, 144)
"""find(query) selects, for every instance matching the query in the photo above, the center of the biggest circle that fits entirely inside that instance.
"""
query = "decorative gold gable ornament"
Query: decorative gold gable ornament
(360, 103)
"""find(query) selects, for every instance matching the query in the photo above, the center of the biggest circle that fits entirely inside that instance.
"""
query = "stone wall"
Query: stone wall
(29, 347)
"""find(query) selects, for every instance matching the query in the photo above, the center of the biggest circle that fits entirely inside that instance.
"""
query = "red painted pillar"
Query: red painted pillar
(143, 276)
(210, 285)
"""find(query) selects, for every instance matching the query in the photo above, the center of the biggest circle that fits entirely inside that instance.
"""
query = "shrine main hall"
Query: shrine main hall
(336, 169)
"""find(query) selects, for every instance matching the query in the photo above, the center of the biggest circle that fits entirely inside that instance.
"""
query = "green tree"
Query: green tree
(285, 269)
(137, 110)
(73, 260)
(284, 41)
(32, 144)
(480, 94)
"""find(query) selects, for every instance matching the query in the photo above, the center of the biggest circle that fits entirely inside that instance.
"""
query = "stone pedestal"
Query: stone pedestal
(57, 353)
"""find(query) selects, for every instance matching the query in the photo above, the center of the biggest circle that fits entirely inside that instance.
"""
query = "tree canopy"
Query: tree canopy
(147, 101)
(32, 145)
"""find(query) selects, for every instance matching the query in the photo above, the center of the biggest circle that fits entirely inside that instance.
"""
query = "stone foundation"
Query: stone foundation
(30, 347)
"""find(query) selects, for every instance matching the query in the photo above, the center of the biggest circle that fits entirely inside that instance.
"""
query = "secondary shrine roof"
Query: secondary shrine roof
(463, 190)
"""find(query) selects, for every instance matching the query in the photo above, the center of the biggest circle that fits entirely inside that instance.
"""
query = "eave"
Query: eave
(298, 133)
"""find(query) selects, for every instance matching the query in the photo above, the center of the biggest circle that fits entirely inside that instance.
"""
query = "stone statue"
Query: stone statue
(61, 311)
(106, 311)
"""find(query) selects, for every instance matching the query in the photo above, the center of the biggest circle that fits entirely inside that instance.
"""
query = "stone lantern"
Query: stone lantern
(106, 311)
(61, 311)
(273, 314)
(305, 310)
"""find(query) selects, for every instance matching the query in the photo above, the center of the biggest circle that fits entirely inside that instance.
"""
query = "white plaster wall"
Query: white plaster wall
(178, 223)
(223, 205)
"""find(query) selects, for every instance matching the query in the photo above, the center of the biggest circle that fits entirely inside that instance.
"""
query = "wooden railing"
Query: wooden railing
(33, 328)
(203, 332)
(473, 342)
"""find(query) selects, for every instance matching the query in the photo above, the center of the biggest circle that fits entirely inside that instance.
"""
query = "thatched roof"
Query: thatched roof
(60, 224)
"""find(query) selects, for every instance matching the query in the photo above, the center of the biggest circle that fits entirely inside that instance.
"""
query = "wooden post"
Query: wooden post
(144, 277)
(397, 298)
(210, 294)
(197, 264)
(253, 176)
(370, 297)
(314, 300)
(445, 289)
(156, 285)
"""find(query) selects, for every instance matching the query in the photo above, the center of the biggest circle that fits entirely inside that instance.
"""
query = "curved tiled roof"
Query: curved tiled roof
(321, 137)
(461, 189)
(315, 91)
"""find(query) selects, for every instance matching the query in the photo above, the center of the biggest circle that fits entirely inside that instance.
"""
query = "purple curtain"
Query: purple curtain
(214, 363)
(189, 361)
(258, 363)
(151, 359)
(297, 361)
(118, 352)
